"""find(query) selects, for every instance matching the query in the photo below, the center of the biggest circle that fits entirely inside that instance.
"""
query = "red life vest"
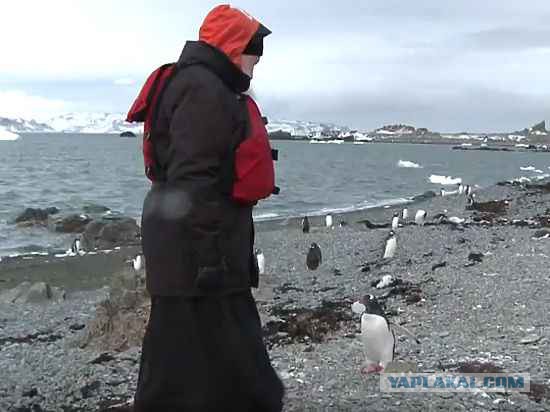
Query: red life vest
(254, 174)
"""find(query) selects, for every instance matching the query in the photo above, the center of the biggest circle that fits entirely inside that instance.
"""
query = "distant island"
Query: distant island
(536, 137)
(128, 134)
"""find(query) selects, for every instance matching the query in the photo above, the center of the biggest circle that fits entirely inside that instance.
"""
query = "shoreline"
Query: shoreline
(465, 313)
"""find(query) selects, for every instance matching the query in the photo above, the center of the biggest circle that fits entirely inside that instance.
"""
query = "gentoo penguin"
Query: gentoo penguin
(420, 217)
(468, 190)
(377, 337)
(305, 225)
(328, 221)
(395, 221)
(460, 188)
(391, 245)
(314, 258)
(260, 259)
(405, 214)
(76, 246)
(456, 220)
(138, 263)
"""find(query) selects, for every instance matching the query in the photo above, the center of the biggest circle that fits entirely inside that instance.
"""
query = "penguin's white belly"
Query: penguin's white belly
(390, 249)
(378, 340)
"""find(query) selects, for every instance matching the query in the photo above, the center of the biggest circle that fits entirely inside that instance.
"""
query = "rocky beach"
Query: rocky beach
(474, 293)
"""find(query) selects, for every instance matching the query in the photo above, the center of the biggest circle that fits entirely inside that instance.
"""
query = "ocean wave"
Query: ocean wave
(527, 168)
(445, 180)
(408, 164)
(265, 216)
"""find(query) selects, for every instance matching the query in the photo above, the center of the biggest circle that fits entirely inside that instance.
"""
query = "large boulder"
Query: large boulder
(120, 319)
(71, 224)
(109, 233)
(32, 216)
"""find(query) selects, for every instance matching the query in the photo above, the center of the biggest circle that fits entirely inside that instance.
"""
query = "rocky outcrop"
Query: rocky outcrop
(71, 224)
(95, 209)
(120, 320)
(108, 233)
(32, 216)
(127, 134)
(26, 292)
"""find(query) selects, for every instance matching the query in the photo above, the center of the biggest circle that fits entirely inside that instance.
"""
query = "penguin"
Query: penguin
(420, 217)
(305, 225)
(405, 214)
(442, 192)
(391, 245)
(260, 259)
(387, 280)
(328, 220)
(468, 190)
(460, 188)
(456, 220)
(376, 335)
(137, 262)
(395, 221)
(76, 247)
(314, 257)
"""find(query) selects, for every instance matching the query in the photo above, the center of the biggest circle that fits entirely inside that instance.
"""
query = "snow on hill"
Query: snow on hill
(6, 135)
(298, 129)
(23, 126)
(93, 123)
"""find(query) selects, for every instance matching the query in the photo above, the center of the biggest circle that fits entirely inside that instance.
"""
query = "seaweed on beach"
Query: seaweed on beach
(307, 325)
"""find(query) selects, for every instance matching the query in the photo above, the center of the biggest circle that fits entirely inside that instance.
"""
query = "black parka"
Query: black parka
(190, 225)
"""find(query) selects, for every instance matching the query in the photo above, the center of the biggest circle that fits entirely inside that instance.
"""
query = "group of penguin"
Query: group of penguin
(377, 336)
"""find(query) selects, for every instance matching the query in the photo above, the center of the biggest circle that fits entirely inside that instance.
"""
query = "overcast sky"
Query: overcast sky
(476, 65)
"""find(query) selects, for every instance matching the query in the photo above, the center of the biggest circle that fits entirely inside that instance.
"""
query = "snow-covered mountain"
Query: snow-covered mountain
(23, 126)
(300, 129)
(93, 123)
(114, 123)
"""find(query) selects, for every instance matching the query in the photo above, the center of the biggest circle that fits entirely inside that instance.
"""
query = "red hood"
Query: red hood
(229, 30)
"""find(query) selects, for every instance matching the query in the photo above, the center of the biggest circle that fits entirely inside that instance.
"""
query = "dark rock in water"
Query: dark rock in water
(426, 195)
(33, 216)
(106, 234)
(128, 134)
(95, 209)
(77, 326)
(31, 393)
(71, 224)
(365, 268)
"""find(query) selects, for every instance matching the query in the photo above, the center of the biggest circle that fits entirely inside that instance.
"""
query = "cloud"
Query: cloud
(125, 81)
(509, 38)
(17, 103)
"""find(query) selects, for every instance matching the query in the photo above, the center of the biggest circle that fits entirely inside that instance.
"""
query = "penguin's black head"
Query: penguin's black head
(314, 245)
(391, 234)
(372, 305)
(257, 251)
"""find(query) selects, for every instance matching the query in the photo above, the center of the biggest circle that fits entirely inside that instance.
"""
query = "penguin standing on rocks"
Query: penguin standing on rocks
(328, 220)
(76, 247)
(377, 337)
(260, 260)
(137, 262)
(391, 245)
(420, 217)
(305, 225)
(405, 214)
(314, 257)
(395, 221)
(468, 190)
